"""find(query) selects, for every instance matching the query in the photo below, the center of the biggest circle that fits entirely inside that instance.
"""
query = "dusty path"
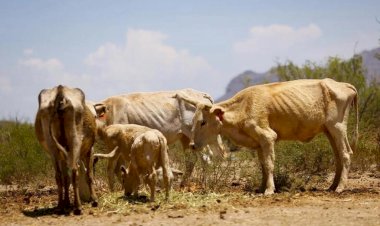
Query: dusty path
(359, 205)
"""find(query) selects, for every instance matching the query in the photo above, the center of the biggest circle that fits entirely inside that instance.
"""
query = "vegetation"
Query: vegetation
(21, 156)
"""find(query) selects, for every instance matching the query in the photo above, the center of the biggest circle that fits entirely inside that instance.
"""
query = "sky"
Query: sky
(112, 47)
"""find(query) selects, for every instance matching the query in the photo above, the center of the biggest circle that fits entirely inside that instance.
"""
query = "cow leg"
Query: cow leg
(266, 138)
(338, 163)
(90, 176)
(338, 138)
(190, 160)
(267, 157)
(66, 184)
(59, 181)
(75, 180)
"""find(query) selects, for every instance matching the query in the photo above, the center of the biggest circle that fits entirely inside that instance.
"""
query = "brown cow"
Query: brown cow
(66, 129)
(258, 116)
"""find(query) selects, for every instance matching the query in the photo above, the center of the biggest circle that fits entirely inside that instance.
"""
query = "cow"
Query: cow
(66, 129)
(260, 115)
(144, 149)
(164, 111)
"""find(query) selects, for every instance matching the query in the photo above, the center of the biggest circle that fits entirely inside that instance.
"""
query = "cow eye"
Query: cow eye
(203, 123)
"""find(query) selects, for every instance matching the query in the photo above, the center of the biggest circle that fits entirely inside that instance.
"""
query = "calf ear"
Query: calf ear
(218, 112)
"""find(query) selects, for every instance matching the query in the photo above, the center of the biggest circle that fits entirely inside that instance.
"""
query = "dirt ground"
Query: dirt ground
(358, 205)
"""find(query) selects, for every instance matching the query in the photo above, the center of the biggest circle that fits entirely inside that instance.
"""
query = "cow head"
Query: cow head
(101, 114)
(207, 123)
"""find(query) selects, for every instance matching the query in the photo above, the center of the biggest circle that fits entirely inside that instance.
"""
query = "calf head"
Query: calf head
(130, 180)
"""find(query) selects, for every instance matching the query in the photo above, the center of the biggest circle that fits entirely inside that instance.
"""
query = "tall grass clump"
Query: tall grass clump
(22, 159)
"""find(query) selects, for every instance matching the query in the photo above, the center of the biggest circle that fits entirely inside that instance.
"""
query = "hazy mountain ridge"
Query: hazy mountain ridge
(371, 62)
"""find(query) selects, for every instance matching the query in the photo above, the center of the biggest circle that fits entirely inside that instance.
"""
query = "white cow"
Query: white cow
(164, 111)
(66, 129)
(258, 116)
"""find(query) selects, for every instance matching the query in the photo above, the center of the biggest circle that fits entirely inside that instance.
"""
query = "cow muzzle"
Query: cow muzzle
(192, 145)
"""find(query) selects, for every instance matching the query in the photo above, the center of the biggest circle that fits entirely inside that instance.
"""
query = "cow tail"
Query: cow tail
(356, 129)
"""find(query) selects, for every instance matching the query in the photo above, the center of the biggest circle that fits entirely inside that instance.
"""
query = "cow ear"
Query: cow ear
(123, 170)
(101, 110)
(218, 112)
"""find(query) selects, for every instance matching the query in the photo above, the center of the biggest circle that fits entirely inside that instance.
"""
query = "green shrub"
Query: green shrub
(21, 156)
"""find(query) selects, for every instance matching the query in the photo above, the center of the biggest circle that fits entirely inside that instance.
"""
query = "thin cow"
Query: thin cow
(258, 116)
(66, 129)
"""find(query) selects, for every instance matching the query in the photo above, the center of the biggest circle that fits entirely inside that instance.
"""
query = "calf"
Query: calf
(148, 152)
(122, 140)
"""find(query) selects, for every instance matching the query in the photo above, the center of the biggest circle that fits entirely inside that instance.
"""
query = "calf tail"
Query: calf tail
(166, 171)
(109, 155)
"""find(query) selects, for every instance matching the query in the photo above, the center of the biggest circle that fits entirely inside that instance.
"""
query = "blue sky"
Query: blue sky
(112, 47)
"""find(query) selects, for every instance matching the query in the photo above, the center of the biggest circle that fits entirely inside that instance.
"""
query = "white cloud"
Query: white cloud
(267, 44)
(28, 52)
(277, 38)
(146, 62)
(51, 64)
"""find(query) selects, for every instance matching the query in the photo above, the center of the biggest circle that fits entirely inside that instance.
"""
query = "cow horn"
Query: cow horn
(59, 146)
(192, 101)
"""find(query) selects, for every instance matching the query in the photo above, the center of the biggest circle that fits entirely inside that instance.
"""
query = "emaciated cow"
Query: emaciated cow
(66, 129)
(258, 116)
(164, 111)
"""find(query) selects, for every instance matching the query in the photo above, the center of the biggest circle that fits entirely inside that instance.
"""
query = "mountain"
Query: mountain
(371, 62)
(245, 79)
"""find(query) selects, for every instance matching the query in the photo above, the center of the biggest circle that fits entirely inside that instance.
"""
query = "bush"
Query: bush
(21, 156)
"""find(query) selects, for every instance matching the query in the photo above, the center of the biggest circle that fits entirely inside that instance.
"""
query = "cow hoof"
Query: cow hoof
(59, 211)
(77, 212)
(94, 204)
(268, 192)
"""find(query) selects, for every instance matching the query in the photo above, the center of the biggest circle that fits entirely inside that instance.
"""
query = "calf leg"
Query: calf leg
(152, 180)
(110, 172)
(167, 176)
